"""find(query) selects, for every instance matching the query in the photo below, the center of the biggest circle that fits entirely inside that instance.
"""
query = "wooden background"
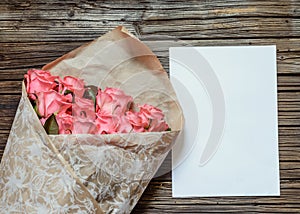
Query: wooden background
(33, 33)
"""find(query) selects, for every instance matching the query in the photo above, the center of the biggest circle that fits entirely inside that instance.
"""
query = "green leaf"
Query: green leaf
(168, 129)
(51, 125)
(36, 110)
(90, 93)
(93, 88)
(35, 107)
(68, 92)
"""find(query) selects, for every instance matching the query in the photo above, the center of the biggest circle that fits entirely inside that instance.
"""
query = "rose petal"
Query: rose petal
(51, 102)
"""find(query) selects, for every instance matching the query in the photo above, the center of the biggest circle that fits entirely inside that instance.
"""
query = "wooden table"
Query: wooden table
(33, 33)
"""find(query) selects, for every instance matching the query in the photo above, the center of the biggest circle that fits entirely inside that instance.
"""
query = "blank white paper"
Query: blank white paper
(229, 145)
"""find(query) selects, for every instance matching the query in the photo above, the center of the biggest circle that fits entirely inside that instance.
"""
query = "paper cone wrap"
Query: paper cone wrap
(86, 173)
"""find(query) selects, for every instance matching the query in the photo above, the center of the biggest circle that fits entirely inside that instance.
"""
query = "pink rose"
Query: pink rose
(124, 125)
(113, 101)
(108, 124)
(84, 109)
(136, 121)
(72, 84)
(157, 126)
(151, 112)
(84, 127)
(50, 102)
(69, 125)
(84, 116)
(65, 123)
(155, 117)
(148, 119)
(39, 81)
(104, 103)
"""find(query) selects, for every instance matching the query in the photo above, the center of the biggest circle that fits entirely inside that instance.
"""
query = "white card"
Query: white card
(229, 146)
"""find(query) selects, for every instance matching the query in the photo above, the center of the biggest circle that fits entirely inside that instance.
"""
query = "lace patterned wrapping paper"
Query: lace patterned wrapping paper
(42, 173)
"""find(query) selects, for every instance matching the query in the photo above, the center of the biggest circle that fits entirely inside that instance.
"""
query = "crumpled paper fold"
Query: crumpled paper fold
(85, 173)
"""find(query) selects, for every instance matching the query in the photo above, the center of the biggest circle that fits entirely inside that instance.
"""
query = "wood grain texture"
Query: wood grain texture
(33, 33)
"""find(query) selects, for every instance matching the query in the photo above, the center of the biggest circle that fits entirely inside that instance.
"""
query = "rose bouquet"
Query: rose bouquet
(90, 131)
(68, 106)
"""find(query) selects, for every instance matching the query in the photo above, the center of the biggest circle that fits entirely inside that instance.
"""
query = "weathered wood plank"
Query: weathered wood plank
(160, 44)
(164, 189)
(189, 20)
(197, 29)
(90, 10)
(157, 197)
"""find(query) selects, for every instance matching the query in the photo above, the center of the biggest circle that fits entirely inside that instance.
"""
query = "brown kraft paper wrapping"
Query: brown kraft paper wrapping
(86, 173)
